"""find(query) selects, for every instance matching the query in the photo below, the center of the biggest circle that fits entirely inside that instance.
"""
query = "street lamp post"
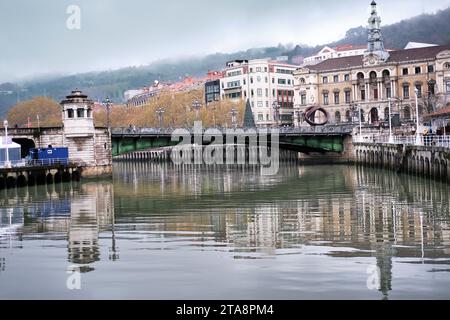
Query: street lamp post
(107, 104)
(418, 139)
(196, 105)
(233, 117)
(7, 163)
(160, 112)
(276, 108)
(391, 138)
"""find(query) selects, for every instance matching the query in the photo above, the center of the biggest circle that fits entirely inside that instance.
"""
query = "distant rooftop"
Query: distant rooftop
(415, 45)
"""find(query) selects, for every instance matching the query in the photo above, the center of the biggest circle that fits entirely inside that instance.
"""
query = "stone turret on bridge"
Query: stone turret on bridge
(88, 145)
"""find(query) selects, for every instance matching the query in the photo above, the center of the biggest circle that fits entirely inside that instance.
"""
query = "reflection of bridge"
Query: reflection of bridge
(307, 139)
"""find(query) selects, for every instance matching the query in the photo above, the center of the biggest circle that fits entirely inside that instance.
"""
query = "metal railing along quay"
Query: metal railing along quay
(431, 140)
(24, 163)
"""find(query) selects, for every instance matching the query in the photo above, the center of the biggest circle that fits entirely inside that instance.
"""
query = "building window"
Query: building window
(267, 80)
(388, 93)
(405, 71)
(260, 117)
(347, 96)
(431, 68)
(259, 92)
(325, 99)
(336, 78)
(273, 80)
(303, 99)
(325, 79)
(406, 92)
(267, 93)
(336, 98)
(260, 104)
(80, 113)
(251, 79)
(267, 104)
(251, 70)
(447, 85)
(347, 77)
(447, 65)
(273, 93)
(281, 81)
(267, 117)
(245, 82)
(70, 113)
(258, 78)
(419, 91)
(337, 117)
(363, 95)
(418, 70)
(289, 81)
(252, 93)
(375, 94)
(302, 80)
(89, 113)
(265, 69)
(258, 69)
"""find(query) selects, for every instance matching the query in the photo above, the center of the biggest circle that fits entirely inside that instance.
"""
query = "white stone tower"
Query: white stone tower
(375, 44)
(77, 115)
(90, 147)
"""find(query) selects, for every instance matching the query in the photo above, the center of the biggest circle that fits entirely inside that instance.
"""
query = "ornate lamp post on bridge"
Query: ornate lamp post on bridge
(107, 103)
(196, 105)
(355, 113)
(160, 112)
(276, 107)
(233, 117)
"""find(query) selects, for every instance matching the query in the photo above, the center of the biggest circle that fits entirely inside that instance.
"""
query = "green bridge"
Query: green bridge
(305, 140)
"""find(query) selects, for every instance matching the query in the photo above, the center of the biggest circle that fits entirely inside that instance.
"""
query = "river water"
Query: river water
(157, 231)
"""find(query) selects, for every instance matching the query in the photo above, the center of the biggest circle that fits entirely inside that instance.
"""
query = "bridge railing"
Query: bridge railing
(432, 140)
(23, 163)
(341, 129)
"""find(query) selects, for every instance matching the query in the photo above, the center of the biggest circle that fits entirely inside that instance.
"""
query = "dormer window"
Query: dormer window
(80, 113)
(70, 113)
(89, 113)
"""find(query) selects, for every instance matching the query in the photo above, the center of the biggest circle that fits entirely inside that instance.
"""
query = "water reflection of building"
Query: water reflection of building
(90, 211)
(76, 212)
(358, 212)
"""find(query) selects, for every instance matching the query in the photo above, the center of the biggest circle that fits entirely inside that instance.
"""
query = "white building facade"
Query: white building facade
(268, 85)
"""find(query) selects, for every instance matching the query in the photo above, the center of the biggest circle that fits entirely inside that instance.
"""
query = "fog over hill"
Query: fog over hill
(430, 28)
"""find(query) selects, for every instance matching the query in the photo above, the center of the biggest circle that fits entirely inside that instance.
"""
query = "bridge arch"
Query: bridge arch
(21, 181)
(25, 144)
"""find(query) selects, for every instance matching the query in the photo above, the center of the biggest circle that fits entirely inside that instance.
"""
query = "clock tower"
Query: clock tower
(375, 45)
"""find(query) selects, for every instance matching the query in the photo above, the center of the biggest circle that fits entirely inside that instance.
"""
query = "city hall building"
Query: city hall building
(344, 86)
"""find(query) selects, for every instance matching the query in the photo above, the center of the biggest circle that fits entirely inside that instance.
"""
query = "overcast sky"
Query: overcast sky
(115, 33)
